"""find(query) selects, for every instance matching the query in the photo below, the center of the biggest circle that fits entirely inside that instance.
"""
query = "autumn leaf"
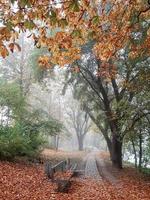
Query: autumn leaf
(14, 45)
(11, 47)
(17, 46)
(4, 52)
(109, 25)
(63, 23)
(44, 61)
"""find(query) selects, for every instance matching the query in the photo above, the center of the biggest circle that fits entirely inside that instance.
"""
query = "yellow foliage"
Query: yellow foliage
(109, 24)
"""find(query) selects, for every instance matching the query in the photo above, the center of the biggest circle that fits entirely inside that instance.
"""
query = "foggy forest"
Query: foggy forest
(74, 100)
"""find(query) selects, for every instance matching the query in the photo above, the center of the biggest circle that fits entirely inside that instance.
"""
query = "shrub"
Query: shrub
(13, 142)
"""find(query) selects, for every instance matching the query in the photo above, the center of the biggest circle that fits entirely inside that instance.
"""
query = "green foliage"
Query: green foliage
(51, 127)
(146, 152)
(10, 95)
(29, 24)
(22, 132)
(38, 72)
(74, 6)
(95, 20)
(14, 142)
(146, 171)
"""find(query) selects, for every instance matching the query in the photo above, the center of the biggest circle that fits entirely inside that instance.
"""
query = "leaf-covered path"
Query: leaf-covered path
(28, 182)
(91, 169)
(105, 173)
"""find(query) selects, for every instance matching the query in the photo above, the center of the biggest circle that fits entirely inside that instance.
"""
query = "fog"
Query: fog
(46, 94)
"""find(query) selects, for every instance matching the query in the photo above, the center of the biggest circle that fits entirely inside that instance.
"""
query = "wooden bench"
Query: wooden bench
(50, 170)
(63, 184)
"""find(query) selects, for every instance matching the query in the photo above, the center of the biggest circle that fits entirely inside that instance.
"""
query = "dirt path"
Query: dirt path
(107, 175)
(96, 170)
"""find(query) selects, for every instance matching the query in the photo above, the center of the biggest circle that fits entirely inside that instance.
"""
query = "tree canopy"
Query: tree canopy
(110, 24)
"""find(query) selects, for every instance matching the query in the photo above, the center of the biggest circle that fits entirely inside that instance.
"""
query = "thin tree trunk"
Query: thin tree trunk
(140, 151)
(57, 142)
(135, 154)
(22, 66)
(80, 143)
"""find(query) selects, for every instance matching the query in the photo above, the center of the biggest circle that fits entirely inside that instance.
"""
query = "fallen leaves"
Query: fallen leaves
(28, 182)
(22, 182)
(62, 175)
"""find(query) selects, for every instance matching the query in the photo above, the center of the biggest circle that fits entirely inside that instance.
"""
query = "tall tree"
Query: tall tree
(80, 122)
(114, 104)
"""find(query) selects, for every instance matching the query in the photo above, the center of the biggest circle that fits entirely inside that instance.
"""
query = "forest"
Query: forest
(74, 99)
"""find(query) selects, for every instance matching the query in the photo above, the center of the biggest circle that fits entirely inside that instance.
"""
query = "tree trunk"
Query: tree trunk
(134, 150)
(116, 152)
(56, 142)
(80, 143)
(109, 145)
(115, 149)
(140, 151)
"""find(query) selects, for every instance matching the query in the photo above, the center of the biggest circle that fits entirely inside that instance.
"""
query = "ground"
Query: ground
(22, 181)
